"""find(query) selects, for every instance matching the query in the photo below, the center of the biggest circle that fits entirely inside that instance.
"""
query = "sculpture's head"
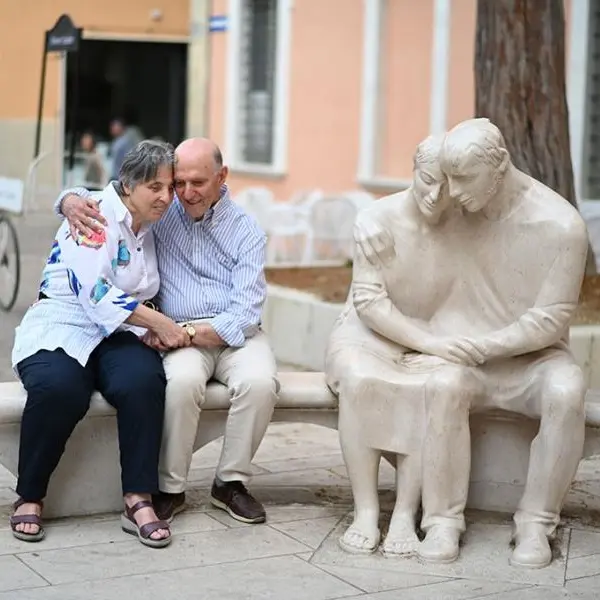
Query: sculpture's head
(428, 185)
(474, 159)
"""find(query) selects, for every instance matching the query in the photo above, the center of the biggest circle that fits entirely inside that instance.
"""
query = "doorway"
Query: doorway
(143, 82)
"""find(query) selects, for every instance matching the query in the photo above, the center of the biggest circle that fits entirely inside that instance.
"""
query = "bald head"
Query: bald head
(199, 175)
(200, 150)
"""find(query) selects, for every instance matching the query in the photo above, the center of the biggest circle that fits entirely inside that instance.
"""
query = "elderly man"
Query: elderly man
(521, 266)
(211, 258)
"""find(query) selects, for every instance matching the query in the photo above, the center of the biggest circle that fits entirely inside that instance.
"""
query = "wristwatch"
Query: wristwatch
(189, 329)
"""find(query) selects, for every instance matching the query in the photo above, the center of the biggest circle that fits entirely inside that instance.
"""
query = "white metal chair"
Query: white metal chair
(360, 198)
(331, 227)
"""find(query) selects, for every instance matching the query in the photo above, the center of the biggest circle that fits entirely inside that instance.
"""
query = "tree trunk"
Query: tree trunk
(520, 86)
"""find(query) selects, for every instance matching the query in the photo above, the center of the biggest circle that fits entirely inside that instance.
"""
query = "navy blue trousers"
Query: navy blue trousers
(128, 374)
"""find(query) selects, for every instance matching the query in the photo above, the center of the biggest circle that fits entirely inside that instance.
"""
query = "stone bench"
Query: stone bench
(87, 480)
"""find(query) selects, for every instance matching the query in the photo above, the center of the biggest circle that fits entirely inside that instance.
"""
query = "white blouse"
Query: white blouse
(90, 286)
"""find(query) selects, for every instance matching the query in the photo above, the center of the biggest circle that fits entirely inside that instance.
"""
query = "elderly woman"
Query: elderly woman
(84, 333)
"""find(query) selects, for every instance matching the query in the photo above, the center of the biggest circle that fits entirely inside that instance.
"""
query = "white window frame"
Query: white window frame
(278, 166)
(577, 71)
(374, 15)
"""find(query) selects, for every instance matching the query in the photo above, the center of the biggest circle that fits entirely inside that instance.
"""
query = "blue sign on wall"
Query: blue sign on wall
(218, 23)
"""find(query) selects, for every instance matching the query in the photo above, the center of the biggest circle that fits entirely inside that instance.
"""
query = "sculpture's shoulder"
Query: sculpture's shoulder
(547, 209)
(388, 209)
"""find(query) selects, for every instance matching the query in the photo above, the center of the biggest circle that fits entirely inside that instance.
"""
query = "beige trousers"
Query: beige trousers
(250, 374)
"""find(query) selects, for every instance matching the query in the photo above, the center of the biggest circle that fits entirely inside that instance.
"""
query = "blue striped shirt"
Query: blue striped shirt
(210, 269)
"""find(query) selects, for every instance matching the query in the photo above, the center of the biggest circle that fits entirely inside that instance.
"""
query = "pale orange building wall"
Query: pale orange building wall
(22, 26)
(461, 76)
(324, 97)
(405, 94)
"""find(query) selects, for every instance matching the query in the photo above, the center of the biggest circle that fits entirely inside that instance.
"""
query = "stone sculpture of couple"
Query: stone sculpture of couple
(463, 290)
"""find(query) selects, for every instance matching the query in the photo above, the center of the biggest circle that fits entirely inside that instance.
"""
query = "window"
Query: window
(591, 134)
(259, 23)
(257, 86)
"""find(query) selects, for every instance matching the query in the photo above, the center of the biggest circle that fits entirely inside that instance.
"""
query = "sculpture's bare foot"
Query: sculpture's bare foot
(532, 548)
(440, 544)
(362, 537)
(401, 539)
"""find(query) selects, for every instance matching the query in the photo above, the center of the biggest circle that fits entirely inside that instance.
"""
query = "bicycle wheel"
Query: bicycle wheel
(10, 264)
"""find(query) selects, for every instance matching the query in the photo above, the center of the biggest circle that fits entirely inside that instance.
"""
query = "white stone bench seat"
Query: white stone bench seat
(305, 390)
(87, 480)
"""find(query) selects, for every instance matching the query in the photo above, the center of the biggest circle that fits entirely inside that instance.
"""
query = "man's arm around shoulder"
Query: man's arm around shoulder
(78, 206)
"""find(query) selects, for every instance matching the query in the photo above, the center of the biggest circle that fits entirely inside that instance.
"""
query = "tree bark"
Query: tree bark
(520, 86)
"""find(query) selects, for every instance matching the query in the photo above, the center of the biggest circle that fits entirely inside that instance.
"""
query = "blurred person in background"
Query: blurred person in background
(94, 174)
(125, 136)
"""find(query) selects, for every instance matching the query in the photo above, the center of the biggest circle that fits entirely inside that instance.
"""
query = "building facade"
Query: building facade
(300, 94)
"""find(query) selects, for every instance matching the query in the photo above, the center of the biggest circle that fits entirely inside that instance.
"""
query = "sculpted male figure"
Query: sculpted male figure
(399, 253)
(521, 267)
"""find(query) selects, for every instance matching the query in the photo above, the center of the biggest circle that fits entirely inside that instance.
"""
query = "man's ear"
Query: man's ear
(223, 175)
(505, 159)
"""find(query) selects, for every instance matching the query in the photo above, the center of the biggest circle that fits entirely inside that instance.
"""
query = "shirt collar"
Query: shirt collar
(122, 213)
(219, 209)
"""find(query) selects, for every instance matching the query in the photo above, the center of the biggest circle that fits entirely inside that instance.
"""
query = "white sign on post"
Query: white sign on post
(11, 195)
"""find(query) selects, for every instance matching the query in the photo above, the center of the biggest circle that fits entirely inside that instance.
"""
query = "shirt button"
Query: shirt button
(139, 249)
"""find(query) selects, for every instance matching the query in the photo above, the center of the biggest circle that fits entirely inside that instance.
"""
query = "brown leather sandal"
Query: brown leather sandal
(31, 519)
(144, 532)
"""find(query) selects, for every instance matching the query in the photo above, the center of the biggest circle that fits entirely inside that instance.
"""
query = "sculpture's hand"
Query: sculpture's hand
(376, 243)
(461, 351)
(83, 215)
(474, 349)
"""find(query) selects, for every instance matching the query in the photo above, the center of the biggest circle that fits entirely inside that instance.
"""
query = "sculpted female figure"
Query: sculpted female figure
(373, 355)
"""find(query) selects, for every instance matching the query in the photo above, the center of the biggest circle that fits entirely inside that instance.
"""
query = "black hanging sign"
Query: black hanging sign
(64, 36)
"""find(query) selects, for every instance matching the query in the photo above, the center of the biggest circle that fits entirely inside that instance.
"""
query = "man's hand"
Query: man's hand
(206, 337)
(151, 339)
(376, 243)
(169, 335)
(83, 215)
(462, 351)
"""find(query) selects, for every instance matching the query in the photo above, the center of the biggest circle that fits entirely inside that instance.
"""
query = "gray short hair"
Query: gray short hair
(141, 164)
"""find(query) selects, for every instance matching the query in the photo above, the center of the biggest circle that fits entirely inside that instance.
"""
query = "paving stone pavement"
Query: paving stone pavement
(299, 473)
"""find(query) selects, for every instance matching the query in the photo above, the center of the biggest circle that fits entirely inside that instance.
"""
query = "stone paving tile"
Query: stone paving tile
(535, 593)
(583, 543)
(14, 575)
(278, 578)
(311, 532)
(484, 556)
(90, 533)
(284, 514)
(584, 588)
(304, 555)
(371, 580)
(456, 589)
(101, 561)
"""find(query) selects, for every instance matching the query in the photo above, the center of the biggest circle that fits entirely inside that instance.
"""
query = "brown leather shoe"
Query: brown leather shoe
(234, 498)
(166, 506)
